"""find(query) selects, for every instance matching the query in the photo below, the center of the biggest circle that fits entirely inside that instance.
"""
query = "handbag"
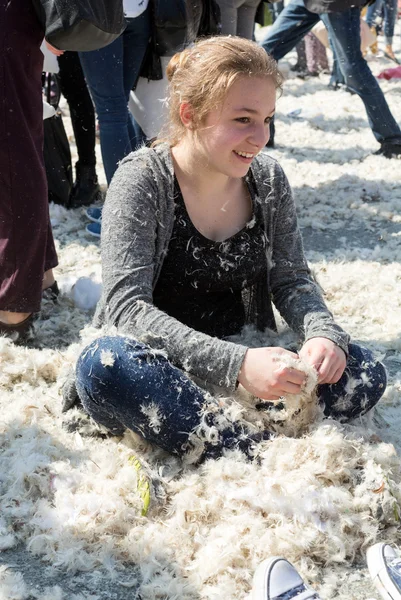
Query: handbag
(169, 27)
(80, 25)
(56, 150)
(211, 19)
(176, 24)
(57, 157)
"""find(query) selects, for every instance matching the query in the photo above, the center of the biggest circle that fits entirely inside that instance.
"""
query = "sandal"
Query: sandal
(389, 53)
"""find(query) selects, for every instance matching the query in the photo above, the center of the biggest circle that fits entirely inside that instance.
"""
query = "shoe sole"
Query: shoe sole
(98, 220)
(96, 235)
(93, 218)
(380, 577)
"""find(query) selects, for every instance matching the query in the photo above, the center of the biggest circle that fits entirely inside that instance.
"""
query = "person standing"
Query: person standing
(342, 20)
(207, 228)
(27, 252)
(111, 73)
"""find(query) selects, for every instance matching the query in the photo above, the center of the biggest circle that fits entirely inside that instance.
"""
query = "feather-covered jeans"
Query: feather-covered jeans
(123, 384)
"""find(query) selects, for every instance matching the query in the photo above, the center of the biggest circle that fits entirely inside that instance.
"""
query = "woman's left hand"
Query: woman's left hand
(326, 357)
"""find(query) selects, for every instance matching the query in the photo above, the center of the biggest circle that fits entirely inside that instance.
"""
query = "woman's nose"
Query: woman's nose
(260, 136)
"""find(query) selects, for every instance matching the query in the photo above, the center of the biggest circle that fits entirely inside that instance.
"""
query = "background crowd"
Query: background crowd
(124, 85)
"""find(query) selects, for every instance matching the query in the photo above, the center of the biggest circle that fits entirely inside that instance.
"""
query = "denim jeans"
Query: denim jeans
(124, 384)
(390, 16)
(111, 73)
(277, 8)
(344, 32)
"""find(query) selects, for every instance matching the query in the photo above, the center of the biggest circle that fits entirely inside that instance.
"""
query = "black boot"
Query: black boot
(86, 187)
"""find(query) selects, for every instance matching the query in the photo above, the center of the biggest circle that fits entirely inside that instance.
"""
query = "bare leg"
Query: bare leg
(13, 318)
(48, 279)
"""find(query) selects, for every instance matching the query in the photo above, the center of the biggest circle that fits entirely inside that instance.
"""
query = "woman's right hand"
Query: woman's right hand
(264, 375)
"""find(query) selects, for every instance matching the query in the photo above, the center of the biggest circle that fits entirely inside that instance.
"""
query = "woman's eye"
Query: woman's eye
(268, 120)
(243, 119)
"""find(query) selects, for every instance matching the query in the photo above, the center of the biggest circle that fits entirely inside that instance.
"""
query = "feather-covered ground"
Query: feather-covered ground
(70, 514)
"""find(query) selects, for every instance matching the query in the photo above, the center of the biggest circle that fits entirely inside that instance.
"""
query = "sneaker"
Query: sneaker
(94, 229)
(143, 486)
(277, 579)
(389, 150)
(384, 565)
(94, 214)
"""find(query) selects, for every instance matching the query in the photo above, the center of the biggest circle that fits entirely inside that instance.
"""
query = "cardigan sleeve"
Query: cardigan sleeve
(295, 293)
(134, 226)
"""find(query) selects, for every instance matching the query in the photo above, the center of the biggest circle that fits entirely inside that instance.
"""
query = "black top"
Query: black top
(202, 281)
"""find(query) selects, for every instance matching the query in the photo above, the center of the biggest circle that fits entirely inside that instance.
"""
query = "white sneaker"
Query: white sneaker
(384, 565)
(277, 579)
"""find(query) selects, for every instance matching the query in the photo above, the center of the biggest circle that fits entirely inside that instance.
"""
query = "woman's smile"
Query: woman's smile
(245, 157)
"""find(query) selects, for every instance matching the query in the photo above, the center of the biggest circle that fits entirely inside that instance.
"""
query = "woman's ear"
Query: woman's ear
(186, 115)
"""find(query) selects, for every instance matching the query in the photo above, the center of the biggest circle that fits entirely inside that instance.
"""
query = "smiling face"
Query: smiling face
(234, 133)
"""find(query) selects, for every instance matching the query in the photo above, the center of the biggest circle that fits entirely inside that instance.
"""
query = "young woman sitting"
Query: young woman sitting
(199, 237)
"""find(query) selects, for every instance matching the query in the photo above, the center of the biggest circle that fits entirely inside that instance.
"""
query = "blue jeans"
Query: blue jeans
(111, 73)
(390, 16)
(344, 31)
(277, 8)
(124, 384)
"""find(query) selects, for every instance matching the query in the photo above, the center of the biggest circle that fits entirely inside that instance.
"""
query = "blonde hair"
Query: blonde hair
(203, 74)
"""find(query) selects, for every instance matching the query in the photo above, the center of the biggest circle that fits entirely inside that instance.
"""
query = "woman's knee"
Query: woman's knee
(359, 389)
(103, 361)
(111, 111)
(369, 371)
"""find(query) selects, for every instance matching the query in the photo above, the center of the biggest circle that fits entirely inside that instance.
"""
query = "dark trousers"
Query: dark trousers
(124, 384)
(26, 241)
(75, 91)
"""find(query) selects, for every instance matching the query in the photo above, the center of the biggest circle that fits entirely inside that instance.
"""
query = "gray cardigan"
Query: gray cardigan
(137, 223)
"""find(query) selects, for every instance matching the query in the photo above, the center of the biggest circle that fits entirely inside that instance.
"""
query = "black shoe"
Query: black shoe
(390, 150)
(21, 333)
(51, 293)
(297, 68)
(86, 188)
